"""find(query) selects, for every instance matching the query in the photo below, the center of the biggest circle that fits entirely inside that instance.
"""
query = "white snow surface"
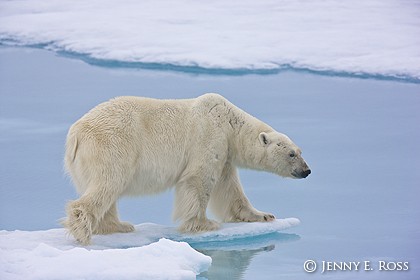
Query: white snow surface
(151, 252)
(164, 259)
(361, 37)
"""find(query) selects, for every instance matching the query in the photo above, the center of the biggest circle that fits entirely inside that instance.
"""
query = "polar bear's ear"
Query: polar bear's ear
(264, 139)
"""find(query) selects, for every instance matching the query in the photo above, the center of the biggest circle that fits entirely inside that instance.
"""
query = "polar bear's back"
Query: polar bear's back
(146, 139)
(148, 112)
(134, 116)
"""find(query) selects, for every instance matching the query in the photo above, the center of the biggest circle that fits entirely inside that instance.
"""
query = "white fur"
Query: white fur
(138, 146)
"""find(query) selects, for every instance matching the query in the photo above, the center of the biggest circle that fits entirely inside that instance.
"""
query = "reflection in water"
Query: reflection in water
(230, 264)
(232, 258)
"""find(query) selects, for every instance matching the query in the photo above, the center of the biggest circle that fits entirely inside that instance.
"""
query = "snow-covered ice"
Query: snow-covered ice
(151, 252)
(164, 259)
(374, 38)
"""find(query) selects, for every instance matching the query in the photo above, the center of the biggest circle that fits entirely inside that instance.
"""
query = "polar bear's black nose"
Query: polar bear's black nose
(301, 173)
(306, 173)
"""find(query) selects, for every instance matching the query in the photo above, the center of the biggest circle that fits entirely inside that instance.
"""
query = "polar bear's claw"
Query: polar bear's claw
(269, 217)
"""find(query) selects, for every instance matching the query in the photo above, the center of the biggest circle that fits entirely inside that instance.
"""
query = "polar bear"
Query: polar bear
(131, 146)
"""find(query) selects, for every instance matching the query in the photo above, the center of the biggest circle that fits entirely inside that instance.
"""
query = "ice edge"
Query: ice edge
(200, 70)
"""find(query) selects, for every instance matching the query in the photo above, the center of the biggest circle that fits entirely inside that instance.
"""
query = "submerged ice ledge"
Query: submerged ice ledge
(194, 68)
(143, 235)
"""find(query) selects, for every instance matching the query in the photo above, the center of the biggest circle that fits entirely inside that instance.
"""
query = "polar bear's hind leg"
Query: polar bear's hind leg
(85, 214)
(111, 223)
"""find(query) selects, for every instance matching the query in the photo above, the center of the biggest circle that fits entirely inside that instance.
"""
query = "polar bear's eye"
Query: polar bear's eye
(292, 154)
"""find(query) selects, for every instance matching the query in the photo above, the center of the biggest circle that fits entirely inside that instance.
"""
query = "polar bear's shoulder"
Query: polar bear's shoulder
(212, 96)
(211, 100)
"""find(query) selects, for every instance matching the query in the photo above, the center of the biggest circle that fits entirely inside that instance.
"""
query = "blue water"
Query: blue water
(360, 137)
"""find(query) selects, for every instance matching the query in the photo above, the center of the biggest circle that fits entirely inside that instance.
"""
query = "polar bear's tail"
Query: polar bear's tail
(71, 150)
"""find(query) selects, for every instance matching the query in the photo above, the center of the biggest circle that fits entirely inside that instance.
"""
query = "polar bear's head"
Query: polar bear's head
(282, 156)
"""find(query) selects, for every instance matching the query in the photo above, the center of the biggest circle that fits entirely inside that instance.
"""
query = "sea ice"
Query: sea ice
(354, 37)
(151, 252)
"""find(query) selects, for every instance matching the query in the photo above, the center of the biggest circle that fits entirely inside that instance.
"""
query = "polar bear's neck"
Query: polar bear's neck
(245, 147)
(247, 151)
(242, 131)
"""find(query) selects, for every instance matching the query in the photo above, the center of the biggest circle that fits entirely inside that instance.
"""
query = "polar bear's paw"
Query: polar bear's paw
(125, 227)
(265, 217)
(254, 216)
(79, 223)
(196, 225)
(113, 227)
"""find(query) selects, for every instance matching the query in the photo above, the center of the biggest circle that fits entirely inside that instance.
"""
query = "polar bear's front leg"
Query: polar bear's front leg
(191, 200)
(229, 203)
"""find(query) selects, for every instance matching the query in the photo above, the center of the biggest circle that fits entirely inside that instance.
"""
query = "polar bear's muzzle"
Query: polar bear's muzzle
(300, 174)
